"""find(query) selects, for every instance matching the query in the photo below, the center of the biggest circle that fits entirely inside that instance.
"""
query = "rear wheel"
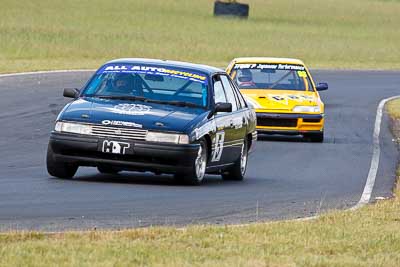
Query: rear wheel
(59, 169)
(315, 137)
(108, 169)
(198, 171)
(238, 170)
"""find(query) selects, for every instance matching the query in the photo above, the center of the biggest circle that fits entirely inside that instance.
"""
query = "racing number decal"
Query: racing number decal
(302, 74)
(278, 98)
(219, 146)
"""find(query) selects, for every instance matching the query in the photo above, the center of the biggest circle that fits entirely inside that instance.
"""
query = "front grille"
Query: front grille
(272, 122)
(126, 133)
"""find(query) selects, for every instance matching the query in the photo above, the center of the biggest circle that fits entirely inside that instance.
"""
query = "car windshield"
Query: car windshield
(271, 76)
(149, 83)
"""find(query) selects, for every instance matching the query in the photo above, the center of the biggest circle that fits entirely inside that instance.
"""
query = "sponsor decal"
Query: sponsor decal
(300, 97)
(278, 98)
(115, 147)
(140, 69)
(285, 98)
(271, 67)
(121, 123)
(130, 109)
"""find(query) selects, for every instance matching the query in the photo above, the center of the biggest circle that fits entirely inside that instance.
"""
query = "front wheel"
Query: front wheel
(59, 169)
(238, 170)
(198, 171)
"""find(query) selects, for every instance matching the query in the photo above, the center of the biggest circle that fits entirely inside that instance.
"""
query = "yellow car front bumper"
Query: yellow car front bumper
(289, 123)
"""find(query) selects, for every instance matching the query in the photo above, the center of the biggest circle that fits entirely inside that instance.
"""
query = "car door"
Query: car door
(222, 123)
(249, 115)
(236, 131)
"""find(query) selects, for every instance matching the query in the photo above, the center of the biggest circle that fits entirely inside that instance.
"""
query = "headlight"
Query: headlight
(167, 138)
(70, 127)
(313, 109)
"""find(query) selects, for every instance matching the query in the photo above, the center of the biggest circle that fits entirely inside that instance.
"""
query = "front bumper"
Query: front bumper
(146, 156)
(289, 123)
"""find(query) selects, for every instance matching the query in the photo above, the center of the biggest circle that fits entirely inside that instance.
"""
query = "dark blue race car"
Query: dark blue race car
(154, 115)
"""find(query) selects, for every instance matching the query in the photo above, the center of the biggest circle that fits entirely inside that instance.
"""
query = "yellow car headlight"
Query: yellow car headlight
(167, 138)
(311, 109)
(71, 127)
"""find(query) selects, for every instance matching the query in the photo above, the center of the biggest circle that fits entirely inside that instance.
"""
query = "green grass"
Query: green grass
(59, 34)
(369, 236)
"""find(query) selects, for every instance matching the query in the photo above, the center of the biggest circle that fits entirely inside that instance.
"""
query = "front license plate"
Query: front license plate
(115, 147)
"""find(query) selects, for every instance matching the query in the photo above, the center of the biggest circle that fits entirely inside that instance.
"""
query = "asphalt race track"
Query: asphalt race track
(287, 177)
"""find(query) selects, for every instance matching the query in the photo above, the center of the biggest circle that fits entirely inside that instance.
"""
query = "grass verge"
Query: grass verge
(369, 236)
(59, 34)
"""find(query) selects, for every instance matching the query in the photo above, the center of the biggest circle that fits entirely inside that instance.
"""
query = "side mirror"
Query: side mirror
(220, 107)
(71, 92)
(223, 107)
(322, 86)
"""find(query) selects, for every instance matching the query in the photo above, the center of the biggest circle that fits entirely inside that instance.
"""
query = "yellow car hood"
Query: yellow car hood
(280, 100)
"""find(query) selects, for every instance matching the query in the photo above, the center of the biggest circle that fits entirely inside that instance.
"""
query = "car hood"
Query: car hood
(149, 116)
(280, 100)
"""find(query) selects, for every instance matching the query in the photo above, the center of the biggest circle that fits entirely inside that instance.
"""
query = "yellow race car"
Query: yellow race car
(283, 94)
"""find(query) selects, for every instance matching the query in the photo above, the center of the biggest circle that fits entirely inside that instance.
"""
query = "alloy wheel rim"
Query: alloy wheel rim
(243, 159)
(200, 164)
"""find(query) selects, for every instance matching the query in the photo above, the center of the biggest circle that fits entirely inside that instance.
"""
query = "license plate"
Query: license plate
(115, 147)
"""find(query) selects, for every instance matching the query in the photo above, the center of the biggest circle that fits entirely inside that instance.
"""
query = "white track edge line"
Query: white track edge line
(373, 170)
(370, 183)
(367, 192)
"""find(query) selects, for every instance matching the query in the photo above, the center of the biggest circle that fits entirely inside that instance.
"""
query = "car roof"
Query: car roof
(169, 63)
(268, 60)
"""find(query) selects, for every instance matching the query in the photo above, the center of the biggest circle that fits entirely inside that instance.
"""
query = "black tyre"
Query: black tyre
(198, 171)
(231, 9)
(59, 169)
(315, 137)
(237, 172)
(108, 169)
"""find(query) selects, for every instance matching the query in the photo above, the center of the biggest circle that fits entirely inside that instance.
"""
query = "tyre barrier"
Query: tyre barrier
(231, 9)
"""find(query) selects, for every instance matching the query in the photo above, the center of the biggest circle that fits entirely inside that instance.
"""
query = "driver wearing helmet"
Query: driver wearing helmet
(245, 78)
(123, 83)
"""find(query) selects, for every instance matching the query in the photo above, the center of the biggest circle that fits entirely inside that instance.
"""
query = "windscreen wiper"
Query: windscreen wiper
(149, 100)
(183, 104)
(175, 103)
(123, 97)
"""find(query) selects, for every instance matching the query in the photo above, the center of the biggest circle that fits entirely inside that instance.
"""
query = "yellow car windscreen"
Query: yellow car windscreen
(271, 76)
